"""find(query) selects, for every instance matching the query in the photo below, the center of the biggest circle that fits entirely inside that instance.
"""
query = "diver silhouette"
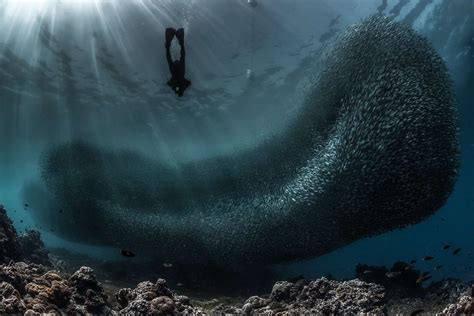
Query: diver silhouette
(177, 68)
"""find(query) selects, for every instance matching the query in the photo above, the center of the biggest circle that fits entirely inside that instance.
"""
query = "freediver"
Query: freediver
(177, 68)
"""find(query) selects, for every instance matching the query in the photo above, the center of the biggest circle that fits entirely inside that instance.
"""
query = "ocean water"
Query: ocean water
(152, 168)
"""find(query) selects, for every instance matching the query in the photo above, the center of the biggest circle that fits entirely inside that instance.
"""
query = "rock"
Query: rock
(19, 274)
(10, 300)
(9, 249)
(42, 291)
(31, 312)
(319, 296)
(87, 294)
(32, 248)
(184, 300)
(282, 291)
(154, 299)
(162, 305)
(253, 303)
(448, 289)
(135, 307)
(123, 296)
(27, 247)
(464, 306)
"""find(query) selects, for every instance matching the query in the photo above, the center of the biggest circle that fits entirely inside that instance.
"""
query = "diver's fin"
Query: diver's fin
(187, 83)
(180, 36)
(169, 34)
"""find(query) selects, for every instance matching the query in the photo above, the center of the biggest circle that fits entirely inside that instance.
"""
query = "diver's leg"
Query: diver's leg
(182, 59)
(169, 34)
(170, 61)
(180, 36)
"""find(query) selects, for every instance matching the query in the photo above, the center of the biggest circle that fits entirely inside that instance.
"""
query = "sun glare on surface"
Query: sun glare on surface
(40, 5)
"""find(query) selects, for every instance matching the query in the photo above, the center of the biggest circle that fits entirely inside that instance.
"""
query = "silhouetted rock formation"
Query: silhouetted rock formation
(26, 247)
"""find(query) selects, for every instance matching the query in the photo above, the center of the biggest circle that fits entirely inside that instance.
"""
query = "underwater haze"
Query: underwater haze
(315, 135)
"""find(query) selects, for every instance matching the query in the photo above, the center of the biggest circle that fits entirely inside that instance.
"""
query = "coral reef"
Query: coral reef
(27, 247)
(9, 249)
(32, 288)
(154, 299)
(465, 306)
(321, 296)
(32, 248)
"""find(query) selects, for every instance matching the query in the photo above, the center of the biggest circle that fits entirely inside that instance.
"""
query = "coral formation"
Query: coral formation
(32, 289)
(465, 306)
(154, 299)
(27, 247)
(321, 296)
(32, 248)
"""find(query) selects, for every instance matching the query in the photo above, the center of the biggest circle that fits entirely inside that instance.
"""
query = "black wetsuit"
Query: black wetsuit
(177, 69)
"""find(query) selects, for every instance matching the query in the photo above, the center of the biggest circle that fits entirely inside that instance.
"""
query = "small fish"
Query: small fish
(21, 221)
(408, 268)
(167, 265)
(422, 279)
(428, 258)
(127, 253)
(392, 274)
(455, 252)
(412, 262)
(179, 284)
(367, 271)
(425, 273)
(26, 205)
(438, 267)
(416, 312)
(61, 211)
(443, 219)
(446, 247)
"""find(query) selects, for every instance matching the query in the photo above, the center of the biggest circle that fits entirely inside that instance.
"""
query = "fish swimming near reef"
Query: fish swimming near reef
(374, 147)
(127, 253)
(422, 279)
